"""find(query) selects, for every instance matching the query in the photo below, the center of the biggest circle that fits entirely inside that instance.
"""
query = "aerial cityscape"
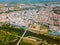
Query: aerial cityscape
(29, 22)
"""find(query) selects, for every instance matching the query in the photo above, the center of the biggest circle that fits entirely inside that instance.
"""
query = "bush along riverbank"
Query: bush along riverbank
(7, 37)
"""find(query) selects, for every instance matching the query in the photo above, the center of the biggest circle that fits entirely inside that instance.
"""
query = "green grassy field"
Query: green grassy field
(11, 33)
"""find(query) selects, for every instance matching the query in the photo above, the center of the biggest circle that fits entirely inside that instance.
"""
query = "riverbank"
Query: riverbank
(48, 38)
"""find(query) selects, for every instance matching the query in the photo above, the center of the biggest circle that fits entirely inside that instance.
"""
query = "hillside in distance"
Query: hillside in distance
(28, 1)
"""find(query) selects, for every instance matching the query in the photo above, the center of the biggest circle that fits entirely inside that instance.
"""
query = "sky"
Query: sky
(29, 1)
